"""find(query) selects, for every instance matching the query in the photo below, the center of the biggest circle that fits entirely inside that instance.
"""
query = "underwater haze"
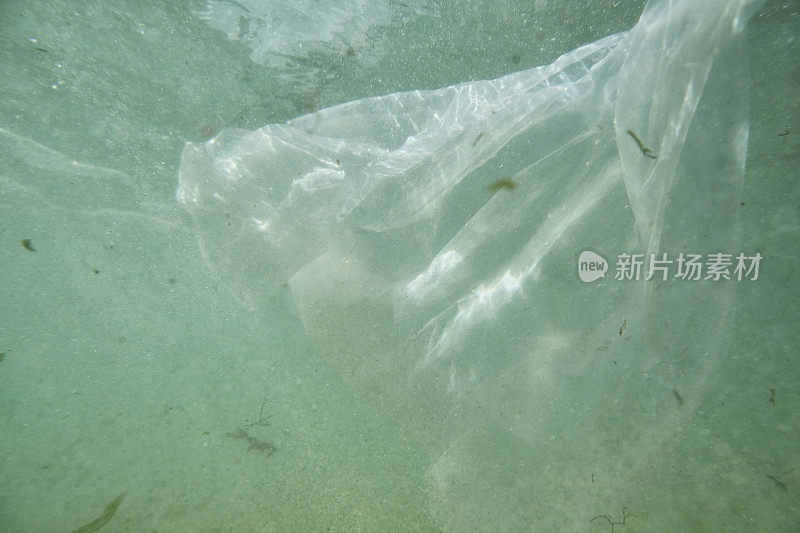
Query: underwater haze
(430, 265)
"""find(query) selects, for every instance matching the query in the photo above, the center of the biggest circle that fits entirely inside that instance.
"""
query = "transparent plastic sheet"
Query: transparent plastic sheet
(430, 240)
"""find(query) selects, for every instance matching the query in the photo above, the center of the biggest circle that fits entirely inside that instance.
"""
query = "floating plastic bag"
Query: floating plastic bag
(431, 243)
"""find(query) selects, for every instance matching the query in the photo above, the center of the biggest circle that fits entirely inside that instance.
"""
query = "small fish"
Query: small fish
(26, 243)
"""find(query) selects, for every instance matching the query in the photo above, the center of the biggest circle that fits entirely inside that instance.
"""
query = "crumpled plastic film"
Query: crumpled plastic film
(431, 239)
